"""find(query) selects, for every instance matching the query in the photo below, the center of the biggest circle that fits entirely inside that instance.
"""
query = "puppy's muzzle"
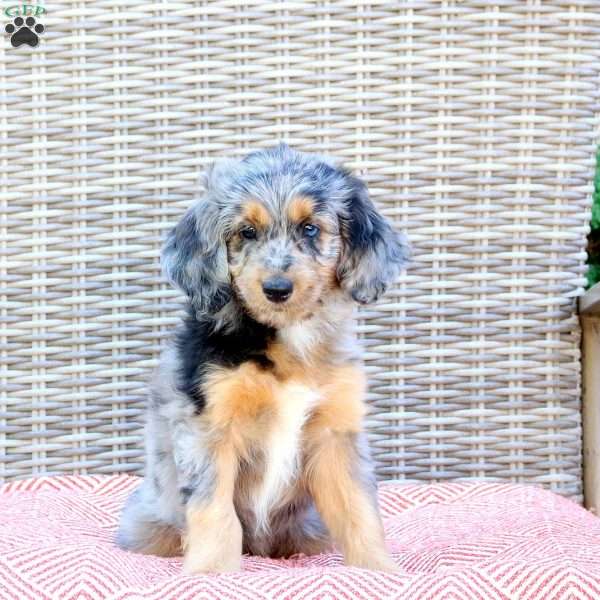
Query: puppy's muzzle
(277, 288)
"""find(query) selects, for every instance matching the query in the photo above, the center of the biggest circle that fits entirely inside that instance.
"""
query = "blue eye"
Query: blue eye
(248, 233)
(310, 230)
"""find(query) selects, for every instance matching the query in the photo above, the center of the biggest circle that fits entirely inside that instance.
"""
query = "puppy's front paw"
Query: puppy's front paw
(198, 562)
(213, 545)
(375, 561)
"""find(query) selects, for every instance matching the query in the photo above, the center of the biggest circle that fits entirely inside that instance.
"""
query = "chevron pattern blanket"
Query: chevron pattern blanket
(455, 540)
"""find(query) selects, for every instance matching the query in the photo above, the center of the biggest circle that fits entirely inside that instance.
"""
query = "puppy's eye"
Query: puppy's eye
(248, 233)
(310, 230)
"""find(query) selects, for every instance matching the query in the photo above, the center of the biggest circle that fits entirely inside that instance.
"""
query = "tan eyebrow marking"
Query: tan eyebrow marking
(300, 209)
(257, 214)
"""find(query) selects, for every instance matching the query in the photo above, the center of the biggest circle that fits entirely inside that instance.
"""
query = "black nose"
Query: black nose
(278, 289)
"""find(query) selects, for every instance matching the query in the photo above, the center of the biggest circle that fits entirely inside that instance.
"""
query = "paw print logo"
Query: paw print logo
(24, 32)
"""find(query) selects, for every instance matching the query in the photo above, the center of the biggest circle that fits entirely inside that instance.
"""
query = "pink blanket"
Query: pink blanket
(456, 540)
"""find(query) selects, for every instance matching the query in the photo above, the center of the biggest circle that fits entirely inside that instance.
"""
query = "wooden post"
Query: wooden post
(589, 310)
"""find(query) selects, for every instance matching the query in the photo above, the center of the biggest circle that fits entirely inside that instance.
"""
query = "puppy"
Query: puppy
(254, 438)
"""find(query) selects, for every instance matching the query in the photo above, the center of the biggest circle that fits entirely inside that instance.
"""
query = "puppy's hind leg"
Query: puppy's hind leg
(141, 530)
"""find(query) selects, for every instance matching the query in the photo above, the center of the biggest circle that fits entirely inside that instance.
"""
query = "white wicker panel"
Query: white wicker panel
(472, 121)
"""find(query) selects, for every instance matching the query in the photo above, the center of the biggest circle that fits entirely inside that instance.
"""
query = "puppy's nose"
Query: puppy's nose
(277, 288)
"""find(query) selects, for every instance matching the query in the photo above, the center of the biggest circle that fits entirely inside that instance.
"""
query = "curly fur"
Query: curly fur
(254, 432)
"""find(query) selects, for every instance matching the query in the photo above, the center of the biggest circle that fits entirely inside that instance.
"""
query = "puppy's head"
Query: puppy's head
(277, 233)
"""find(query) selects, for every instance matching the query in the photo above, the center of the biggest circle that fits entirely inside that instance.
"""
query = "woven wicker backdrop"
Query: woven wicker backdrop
(473, 123)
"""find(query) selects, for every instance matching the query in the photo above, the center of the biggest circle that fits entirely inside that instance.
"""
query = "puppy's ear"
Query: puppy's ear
(373, 253)
(194, 258)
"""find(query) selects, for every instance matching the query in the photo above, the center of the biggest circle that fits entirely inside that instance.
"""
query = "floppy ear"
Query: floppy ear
(194, 258)
(373, 253)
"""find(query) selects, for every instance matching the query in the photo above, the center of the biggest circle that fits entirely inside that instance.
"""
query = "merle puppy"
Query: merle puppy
(254, 438)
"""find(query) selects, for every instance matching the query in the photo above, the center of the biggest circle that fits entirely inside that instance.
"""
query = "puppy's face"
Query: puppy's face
(283, 259)
(275, 234)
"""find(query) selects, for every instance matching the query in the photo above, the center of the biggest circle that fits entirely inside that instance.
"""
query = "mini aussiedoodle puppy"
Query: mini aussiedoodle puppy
(254, 438)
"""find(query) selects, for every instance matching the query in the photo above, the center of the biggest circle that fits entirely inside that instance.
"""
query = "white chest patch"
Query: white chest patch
(282, 449)
(301, 338)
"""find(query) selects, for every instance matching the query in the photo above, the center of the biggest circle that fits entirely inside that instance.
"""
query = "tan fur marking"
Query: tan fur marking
(286, 366)
(342, 408)
(311, 280)
(255, 212)
(240, 404)
(345, 507)
(213, 540)
(260, 416)
(342, 387)
(300, 209)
